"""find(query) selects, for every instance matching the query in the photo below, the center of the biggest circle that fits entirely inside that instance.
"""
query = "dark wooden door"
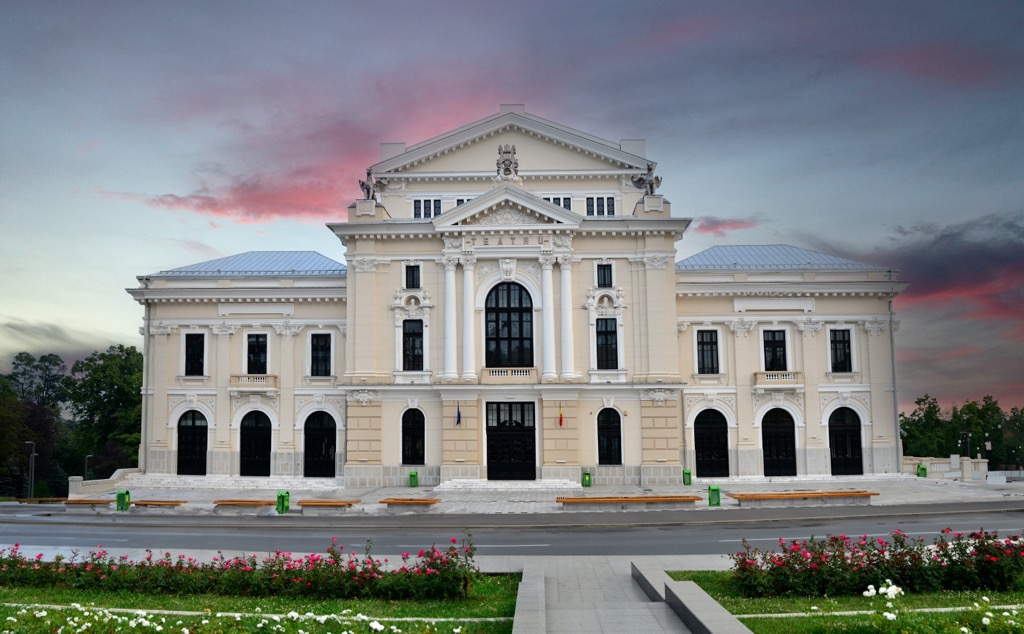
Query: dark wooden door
(320, 446)
(511, 441)
(192, 443)
(711, 445)
(255, 435)
(778, 439)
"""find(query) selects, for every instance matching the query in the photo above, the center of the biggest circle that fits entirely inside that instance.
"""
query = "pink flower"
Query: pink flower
(455, 541)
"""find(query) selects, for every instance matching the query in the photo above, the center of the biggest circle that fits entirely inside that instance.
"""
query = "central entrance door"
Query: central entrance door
(711, 444)
(778, 436)
(255, 439)
(320, 446)
(511, 441)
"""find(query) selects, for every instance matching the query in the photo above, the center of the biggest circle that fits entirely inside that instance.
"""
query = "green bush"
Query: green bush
(434, 574)
(839, 565)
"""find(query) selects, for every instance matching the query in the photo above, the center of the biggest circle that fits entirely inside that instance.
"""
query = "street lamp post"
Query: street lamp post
(85, 472)
(31, 468)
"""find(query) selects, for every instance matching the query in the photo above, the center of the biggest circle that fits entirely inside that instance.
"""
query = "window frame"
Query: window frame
(410, 356)
(420, 205)
(701, 356)
(494, 357)
(598, 206)
(266, 352)
(851, 357)
(606, 343)
(414, 271)
(185, 355)
(601, 280)
(563, 201)
(786, 353)
(312, 352)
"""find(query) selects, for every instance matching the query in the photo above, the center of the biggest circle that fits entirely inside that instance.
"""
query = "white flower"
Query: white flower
(814, 607)
(889, 615)
(870, 592)
(985, 620)
(375, 625)
(985, 599)
(965, 630)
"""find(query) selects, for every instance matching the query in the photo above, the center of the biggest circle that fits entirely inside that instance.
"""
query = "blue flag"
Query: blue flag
(458, 414)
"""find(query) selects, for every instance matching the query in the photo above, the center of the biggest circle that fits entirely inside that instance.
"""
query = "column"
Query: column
(568, 353)
(547, 262)
(451, 370)
(468, 334)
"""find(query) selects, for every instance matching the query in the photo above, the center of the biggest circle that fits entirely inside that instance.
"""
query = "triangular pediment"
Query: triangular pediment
(506, 206)
(544, 147)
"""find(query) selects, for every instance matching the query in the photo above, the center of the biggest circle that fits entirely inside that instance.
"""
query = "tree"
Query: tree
(39, 381)
(13, 431)
(924, 431)
(104, 393)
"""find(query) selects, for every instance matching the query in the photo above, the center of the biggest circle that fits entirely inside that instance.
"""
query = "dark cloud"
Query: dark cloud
(46, 338)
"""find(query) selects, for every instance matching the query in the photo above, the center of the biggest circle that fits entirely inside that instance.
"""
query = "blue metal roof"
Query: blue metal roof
(261, 264)
(767, 257)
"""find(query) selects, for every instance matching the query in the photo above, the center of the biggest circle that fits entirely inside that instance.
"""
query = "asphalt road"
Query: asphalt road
(574, 534)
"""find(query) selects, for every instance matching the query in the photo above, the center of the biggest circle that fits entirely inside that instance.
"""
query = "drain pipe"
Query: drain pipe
(895, 397)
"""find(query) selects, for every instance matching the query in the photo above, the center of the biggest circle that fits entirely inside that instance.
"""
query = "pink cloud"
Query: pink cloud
(950, 63)
(719, 227)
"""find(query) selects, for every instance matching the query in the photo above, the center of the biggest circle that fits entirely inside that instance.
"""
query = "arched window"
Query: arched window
(254, 443)
(609, 437)
(509, 327)
(413, 440)
(844, 442)
(192, 443)
(320, 446)
(711, 444)
(778, 441)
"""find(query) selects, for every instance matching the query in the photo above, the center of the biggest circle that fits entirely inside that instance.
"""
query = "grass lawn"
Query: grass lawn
(494, 597)
(818, 614)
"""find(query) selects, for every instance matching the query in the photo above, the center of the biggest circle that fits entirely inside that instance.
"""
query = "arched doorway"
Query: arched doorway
(254, 440)
(413, 438)
(711, 444)
(844, 442)
(609, 437)
(508, 334)
(778, 440)
(320, 447)
(192, 443)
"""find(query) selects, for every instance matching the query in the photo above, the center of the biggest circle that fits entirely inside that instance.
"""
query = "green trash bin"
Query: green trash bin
(687, 477)
(283, 499)
(714, 496)
(587, 480)
(414, 479)
(922, 471)
(124, 500)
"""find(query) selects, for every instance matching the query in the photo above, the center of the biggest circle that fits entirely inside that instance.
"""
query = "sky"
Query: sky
(142, 136)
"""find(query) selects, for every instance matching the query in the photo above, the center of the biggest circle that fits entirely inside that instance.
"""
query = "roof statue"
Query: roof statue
(647, 181)
(367, 185)
(508, 164)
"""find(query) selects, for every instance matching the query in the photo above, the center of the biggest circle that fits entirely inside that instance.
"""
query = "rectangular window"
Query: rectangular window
(459, 201)
(412, 345)
(565, 202)
(195, 354)
(600, 205)
(320, 354)
(842, 361)
(426, 207)
(604, 275)
(707, 352)
(412, 276)
(607, 345)
(775, 350)
(256, 354)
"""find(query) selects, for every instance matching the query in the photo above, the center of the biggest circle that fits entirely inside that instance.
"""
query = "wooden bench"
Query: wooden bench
(803, 498)
(415, 505)
(158, 503)
(41, 500)
(322, 507)
(96, 505)
(236, 507)
(626, 502)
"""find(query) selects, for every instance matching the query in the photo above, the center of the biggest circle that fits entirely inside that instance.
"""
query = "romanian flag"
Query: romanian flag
(458, 414)
(561, 418)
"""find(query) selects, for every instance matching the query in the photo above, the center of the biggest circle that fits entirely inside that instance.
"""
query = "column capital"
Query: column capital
(450, 262)
(469, 261)
(566, 261)
(547, 262)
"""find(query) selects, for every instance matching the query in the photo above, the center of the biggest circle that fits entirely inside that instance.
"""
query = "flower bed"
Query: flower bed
(840, 565)
(432, 574)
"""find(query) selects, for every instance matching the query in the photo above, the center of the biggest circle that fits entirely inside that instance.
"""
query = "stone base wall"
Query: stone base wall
(460, 472)
(661, 474)
(628, 475)
(560, 472)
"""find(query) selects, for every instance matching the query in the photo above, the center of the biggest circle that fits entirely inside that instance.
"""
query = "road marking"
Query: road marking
(479, 546)
(851, 536)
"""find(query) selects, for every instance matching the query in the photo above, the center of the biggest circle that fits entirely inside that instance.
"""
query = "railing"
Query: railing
(777, 378)
(254, 381)
(509, 375)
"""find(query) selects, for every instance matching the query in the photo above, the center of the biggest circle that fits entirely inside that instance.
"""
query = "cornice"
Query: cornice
(236, 295)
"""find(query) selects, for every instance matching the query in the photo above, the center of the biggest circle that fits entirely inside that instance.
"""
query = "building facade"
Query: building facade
(511, 308)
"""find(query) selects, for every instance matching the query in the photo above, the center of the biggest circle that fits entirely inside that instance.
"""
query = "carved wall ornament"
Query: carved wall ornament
(486, 269)
(508, 269)
(531, 269)
(450, 262)
(562, 242)
(682, 325)
(507, 165)
(364, 265)
(875, 326)
(778, 399)
(506, 216)
(647, 182)
(809, 326)
(608, 401)
(452, 242)
(656, 262)
(413, 403)
(159, 328)
(741, 326)
(224, 328)
(363, 397)
(254, 400)
(658, 395)
(287, 329)
(411, 304)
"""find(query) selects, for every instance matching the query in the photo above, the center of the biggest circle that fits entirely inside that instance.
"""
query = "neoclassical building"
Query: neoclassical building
(511, 307)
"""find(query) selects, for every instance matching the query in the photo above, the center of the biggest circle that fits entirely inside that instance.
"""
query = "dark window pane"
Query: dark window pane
(413, 438)
(412, 276)
(607, 345)
(609, 437)
(775, 350)
(320, 355)
(604, 275)
(194, 354)
(707, 352)
(412, 345)
(509, 314)
(841, 357)
(256, 355)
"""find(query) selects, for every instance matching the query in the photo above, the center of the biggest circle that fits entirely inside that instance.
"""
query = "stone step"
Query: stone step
(145, 481)
(508, 485)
